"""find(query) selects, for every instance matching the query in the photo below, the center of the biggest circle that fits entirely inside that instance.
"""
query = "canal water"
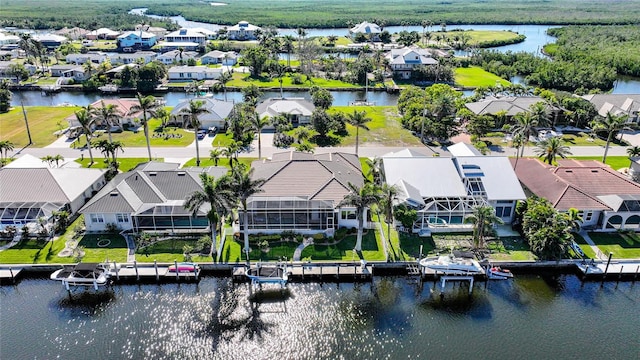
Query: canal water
(533, 317)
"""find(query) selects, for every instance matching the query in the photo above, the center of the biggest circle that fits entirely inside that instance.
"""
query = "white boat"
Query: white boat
(451, 265)
(268, 274)
(83, 274)
(498, 273)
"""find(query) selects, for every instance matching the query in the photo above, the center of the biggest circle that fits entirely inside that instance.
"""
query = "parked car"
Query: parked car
(201, 134)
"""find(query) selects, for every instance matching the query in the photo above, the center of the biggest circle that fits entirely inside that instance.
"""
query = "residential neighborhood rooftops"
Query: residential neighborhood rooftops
(615, 104)
(366, 28)
(293, 106)
(509, 104)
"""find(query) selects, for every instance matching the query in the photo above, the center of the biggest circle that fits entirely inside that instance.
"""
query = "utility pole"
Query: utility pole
(24, 112)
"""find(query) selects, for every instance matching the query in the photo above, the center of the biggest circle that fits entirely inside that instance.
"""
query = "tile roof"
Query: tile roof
(512, 105)
(277, 106)
(614, 103)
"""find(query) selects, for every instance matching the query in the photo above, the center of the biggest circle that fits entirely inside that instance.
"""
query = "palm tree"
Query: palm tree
(375, 169)
(517, 141)
(574, 219)
(195, 109)
(258, 123)
(216, 193)
(109, 149)
(243, 187)
(483, 219)
(287, 44)
(610, 124)
(47, 159)
(214, 155)
(526, 126)
(389, 195)
(552, 148)
(56, 159)
(5, 147)
(633, 152)
(224, 78)
(231, 151)
(359, 120)
(540, 113)
(107, 115)
(360, 198)
(86, 120)
(149, 107)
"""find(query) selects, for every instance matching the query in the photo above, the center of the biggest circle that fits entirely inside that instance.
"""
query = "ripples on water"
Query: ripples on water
(389, 319)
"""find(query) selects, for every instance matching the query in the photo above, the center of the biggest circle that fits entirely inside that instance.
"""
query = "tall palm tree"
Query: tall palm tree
(216, 193)
(526, 126)
(483, 219)
(86, 120)
(107, 115)
(224, 78)
(551, 148)
(574, 219)
(243, 186)
(540, 113)
(214, 155)
(287, 45)
(360, 198)
(195, 109)
(149, 107)
(610, 124)
(257, 124)
(375, 169)
(633, 152)
(389, 195)
(359, 120)
(517, 141)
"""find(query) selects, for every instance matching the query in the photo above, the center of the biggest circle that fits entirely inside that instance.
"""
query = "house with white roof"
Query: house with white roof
(297, 110)
(405, 60)
(93, 57)
(50, 41)
(186, 35)
(210, 34)
(616, 104)
(510, 105)
(150, 197)
(366, 28)
(445, 190)
(302, 192)
(176, 56)
(165, 46)
(190, 73)
(217, 112)
(6, 72)
(75, 72)
(136, 40)
(242, 31)
(228, 58)
(8, 39)
(102, 34)
(143, 57)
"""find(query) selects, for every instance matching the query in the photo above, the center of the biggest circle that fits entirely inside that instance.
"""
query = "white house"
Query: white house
(616, 104)
(93, 57)
(228, 58)
(102, 33)
(143, 57)
(366, 28)
(50, 40)
(165, 46)
(302, 192)
(8, 39)
(189, 73)
(444, 190)
(210, 34)
(136, 39)
(75, 72)
(242, 31)
(297, 110)
(404, 61)
(6, 72)
(176, 56)
(187, 35)
(217, 112)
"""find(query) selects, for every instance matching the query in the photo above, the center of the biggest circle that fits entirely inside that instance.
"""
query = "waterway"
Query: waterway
(533, 317)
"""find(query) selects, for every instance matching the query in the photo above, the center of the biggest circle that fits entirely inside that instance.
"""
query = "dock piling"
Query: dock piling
(175, 263)
(13, 279)
(155, 265)
(115, 266)
(135, 266)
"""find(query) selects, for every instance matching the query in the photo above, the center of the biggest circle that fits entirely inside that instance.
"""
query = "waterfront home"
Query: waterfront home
(136, 40)
(93, 57)
(32, 189)
(123, 108)
(186, 35)
(606, 199)
(302, 192)
(75, 72)
(297, 110)
(74, 33)
(510, 105)
(7, 39)
(445, 190)
(150, 197)
(242, 31)
(139, 57)
(367, 28)
(112, 73)
(7, 73)
(228, 58)
(159, 32)
(165, 46)
(50, 41)
(406, 60)
(616, 104)
(210, 34)
(217, 112)
(102, 34)
(191, 73)
(176, 56)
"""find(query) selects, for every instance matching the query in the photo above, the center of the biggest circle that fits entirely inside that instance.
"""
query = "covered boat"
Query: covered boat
(451, 265)
(83, 274)
(498, 273)
(265, 274)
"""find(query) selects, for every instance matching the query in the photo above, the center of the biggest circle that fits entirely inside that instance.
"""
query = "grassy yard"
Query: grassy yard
(586, 248)
(34, 252)
(616, 162)
(43, 122)
(510, 248)
(126, 164)
(170, 137)
(384, 128)
(243, 80)
(168, 251)
(622, 245)
(478, 37)
(115, 251)
(205, 161)
(474, 76)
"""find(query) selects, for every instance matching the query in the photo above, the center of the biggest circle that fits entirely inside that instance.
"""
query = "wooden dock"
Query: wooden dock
(613, 269)
(9, 274)
(301, 272)
(151, 272)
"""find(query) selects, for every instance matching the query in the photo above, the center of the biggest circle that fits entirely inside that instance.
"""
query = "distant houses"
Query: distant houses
(186, 35)
(177, 56)
(371, 30)
(191, 73)
(228, 58)
(616, 104)
(243, 31)
(102, 34)
(136, 40)
(405, 61)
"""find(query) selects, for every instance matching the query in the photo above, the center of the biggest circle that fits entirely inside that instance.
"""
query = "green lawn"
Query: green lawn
(384, 128)
(372, 249)
(34, 252)
(582, 139)
(115, 251)
(126, 164)
(205, 161)
(510, 248)
(168, 251)
(474, 76)
(43, 122)
(243, 80)
(586, 248)
(480, 36)
(170, 137)
(222, 139)
(622, 245)
(616, 162)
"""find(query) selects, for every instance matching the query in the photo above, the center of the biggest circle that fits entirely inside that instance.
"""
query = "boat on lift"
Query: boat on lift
(268, 274)
(83, 274)
(452, 265)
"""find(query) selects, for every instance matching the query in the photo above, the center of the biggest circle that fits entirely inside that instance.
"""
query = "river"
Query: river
(555, 317)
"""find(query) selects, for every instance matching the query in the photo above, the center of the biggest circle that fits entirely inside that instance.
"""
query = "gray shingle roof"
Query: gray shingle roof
(46, 185)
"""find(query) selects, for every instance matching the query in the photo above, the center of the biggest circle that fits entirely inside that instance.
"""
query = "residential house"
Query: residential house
(112, 73)
(217, 112)
(242, 31)
(165, 46)
(159, 32)
(510, 105)
(74, 33)
(404, 61)
(302, 193)
(150, 198)
(297, 110)
(75, 72)
(191, 73)
(138, 57)
(7, 73)
(187, 35)
(210, 34)
(8, 39)
(31, 190)
(367, 28)
(445, 190)
(123, 108)
(50, 41)
(136, 40)
(176, 56)
(93, 57)
(102, 34)
(228, 58)
(606, 199)
(616, 104)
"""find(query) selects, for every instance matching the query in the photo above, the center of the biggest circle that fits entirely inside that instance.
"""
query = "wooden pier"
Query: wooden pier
(10, 274)
(610, 269)
(151, 272)
(301, 272)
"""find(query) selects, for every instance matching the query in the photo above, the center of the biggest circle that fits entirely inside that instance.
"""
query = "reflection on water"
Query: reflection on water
(391, 318)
